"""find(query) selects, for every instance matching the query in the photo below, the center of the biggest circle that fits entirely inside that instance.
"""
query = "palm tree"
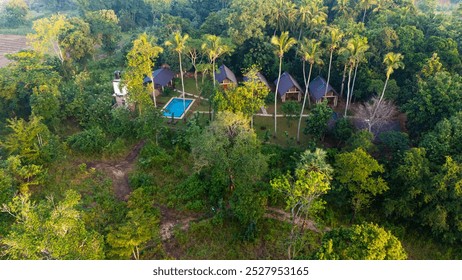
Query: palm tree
(356, 47)
(343, 8)
(283, 14)
(392, 61)
(312, 13)
(310, 51)
(214, 48)
(283, 44)
(179, 44)
(336, 37)
(366, 4)
(362, 47)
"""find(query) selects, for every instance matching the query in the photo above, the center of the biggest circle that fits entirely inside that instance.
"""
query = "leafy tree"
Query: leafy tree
(104, 27)
(437, 98)
(77, 42)
(444, 140)
(140, 226)
(303, 191)
(356, 171)
(309, 51)
(290, 109)
(366, 4)
(228, 160)
(248, 19)
(317, 120)
(282, 45)
(47, 35)
(140, 63)
(361, 242)
(361, 139)
(245, 99)
(49, 230)
(179, 45)
(15, 13)
(27, 139)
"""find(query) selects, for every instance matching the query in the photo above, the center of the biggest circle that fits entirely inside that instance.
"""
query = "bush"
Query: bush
(361, 139)
(343, 130)
(90, 141)
(15, 13)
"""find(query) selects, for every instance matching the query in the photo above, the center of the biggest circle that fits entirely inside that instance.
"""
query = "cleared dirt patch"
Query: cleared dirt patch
(10, 44)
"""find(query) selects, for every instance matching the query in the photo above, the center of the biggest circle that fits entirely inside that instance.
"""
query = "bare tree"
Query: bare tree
(383, 115)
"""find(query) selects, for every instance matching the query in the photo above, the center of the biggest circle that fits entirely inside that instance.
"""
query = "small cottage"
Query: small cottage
(289, 89)
(317, 89)
(119, 95)
(225, 77)
(163, 77)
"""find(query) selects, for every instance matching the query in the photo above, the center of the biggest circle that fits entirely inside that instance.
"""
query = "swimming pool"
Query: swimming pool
(176, 107)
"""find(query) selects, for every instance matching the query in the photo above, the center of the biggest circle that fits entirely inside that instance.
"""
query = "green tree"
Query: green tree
(27, 139)
(361, 242)
(290, 109)
(141, 60)
(365, 5)
(50, 230)
(303, 191)
(357, 172)
(104, 27)
(228, 160)
(47, 37)
(317, 120)
(310, 52)
(15, 13)
(77, 42)
(178, 44)
(282, 45)
(335, 39)
(140, 226)
(312, 14)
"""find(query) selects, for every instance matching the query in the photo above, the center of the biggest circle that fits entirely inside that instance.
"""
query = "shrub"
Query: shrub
(90, 141)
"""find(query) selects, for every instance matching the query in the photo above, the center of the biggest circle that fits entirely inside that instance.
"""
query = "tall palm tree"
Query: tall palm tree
(312, 13)
(283, 44)
(214, 47)
(310, 52)
(366, 4)
(179, 44)
(362, 47)
(336, 37)
(392, 61)
(356, 47)
(283, 14)
(343, 8)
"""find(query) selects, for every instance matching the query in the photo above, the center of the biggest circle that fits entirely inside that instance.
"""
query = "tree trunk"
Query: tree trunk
(213, 72)
(328, 72)
(354, 81)
(343, 80)
(182, 81)
(380, 99)
(153, 90)
(364, 15)
(303, 106)
(304, 71)
(348, 93)
(276, 98)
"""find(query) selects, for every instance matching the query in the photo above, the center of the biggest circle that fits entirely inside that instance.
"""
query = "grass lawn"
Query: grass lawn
(189, 85)
(286, 136)
(209, 239)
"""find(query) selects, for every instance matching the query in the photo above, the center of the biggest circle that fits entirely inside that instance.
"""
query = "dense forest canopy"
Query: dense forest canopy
(261, 165)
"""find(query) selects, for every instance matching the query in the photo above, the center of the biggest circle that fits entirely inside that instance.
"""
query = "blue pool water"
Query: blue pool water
(175, 106)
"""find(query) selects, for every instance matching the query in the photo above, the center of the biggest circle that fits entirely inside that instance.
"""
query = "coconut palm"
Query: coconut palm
(366, 4)
(283, 14)
(214, 48)
(343, 8)
(283, 44)
(310, 52)
(392, 61)
(336, 37)
(312, 13)
(178, 44)
(356, 47)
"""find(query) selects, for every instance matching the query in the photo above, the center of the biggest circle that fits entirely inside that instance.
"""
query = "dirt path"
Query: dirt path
(283, 216)
(118, 171)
